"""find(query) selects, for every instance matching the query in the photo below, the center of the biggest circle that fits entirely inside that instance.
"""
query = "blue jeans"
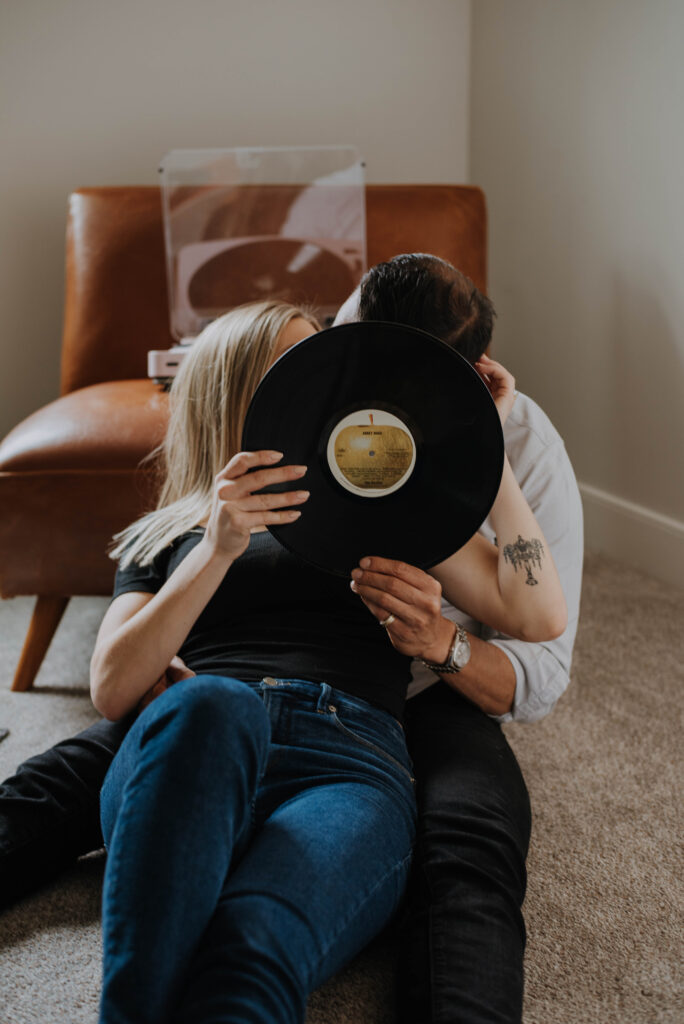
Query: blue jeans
(259, 835)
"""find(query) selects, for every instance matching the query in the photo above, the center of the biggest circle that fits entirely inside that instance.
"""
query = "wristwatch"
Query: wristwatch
(458, 656)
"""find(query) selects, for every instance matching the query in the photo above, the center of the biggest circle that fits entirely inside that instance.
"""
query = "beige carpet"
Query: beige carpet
(605, 899)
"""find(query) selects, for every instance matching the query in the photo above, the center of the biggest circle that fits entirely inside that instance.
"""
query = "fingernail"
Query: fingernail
(300, 470)
(364, 563)
(356, 574)
(275, 456)
(295, 515)
(303, 494)
(353, 586)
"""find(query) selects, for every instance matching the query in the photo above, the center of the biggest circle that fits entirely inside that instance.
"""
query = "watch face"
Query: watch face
(461, 655)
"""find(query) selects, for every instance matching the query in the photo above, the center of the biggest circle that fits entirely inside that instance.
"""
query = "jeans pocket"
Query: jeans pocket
(363, 741)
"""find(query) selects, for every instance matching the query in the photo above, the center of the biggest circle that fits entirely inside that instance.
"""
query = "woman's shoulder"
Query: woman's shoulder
(150, 576)
(188, 538)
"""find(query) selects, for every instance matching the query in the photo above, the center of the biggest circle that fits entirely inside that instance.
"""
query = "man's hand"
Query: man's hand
(420, 630)
(176, 671)
(413, 599)
(501, 384)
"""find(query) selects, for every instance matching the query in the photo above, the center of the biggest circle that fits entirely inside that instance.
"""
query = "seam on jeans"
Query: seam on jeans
(255, 795)
(370, 746)
(111, 881)
(356, 907)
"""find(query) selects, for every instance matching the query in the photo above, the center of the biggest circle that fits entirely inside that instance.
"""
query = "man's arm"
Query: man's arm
(507, 678)
(542, 670)
(488, 680)
(421, 631)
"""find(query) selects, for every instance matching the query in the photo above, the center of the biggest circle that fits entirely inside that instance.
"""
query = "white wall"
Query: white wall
(575, 135)
(577, 140)
(94, 93)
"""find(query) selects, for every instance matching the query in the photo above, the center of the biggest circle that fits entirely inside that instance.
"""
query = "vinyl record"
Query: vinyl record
(401, 437)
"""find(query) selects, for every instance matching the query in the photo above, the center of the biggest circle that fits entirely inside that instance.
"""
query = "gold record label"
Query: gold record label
(371, 453)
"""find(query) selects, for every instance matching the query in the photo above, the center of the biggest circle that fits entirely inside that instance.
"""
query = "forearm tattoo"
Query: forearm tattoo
(526, 553)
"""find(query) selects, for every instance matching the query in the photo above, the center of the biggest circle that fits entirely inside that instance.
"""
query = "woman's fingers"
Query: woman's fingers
(247, 483)
(258, 478)
(236, 510)
(267, 502)
(287, 515)
(244, 461)
(262, 509)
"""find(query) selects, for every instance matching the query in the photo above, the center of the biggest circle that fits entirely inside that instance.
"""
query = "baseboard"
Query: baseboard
(633, 534)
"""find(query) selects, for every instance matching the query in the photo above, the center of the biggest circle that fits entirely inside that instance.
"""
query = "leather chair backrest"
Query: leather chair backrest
(116, 304)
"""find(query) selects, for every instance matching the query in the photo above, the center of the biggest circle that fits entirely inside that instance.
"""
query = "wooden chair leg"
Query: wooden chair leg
(46, 617)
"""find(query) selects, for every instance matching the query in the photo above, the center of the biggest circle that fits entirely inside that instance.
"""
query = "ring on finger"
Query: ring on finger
(389, 620)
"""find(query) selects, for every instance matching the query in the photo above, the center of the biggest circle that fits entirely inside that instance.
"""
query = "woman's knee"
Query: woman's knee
(206, 707)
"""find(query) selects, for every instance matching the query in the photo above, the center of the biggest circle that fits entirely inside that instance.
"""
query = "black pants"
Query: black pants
(462, 955)
(464, 933)
(50, 810)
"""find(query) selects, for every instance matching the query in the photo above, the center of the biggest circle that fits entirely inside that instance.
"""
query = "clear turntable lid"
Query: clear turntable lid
(248, 224)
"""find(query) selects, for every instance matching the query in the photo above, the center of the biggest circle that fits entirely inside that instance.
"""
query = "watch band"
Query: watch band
(451, 665)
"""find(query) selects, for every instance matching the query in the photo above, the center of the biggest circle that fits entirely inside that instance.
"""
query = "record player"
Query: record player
(246, 224)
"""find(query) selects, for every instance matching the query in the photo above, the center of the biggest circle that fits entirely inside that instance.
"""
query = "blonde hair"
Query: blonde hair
(208, 402)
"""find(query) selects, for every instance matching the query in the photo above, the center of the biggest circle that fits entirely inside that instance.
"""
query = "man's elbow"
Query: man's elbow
(499, 708)
(549, 626)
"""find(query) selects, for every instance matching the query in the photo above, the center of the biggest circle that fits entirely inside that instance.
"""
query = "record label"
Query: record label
(371, 453)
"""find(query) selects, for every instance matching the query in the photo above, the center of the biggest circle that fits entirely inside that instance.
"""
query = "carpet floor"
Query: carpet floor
(605, 895)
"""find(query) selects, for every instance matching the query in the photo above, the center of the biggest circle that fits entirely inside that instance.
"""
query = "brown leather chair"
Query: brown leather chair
(70, 474)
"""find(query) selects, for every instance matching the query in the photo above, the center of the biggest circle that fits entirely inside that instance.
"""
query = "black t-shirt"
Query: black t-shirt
(274, 615)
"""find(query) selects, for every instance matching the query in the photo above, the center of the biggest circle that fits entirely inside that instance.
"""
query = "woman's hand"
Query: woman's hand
(500, 382)
(236, 510)
(413, 600)
(176, 671)
(141, 633)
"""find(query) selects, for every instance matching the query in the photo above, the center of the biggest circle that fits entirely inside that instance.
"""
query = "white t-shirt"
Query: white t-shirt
(542, 468)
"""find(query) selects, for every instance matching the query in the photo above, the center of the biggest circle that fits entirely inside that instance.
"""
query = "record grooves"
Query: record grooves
(401, 437)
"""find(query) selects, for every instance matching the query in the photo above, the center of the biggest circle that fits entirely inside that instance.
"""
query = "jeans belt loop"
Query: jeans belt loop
(324, 699)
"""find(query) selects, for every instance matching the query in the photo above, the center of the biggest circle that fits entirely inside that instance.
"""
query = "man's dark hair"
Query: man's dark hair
(427, 292)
